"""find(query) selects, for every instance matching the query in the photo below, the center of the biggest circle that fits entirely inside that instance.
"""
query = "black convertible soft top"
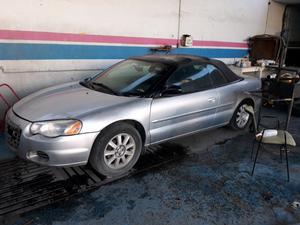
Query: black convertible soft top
(180, 60)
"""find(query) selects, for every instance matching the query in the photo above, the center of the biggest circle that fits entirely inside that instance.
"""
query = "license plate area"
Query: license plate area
(13, 135)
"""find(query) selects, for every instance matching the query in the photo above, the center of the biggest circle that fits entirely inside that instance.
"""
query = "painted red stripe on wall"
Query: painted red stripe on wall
(70, 37)
(220, 44)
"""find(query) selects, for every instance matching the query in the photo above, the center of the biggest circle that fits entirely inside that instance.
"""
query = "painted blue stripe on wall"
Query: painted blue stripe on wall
(22, 51)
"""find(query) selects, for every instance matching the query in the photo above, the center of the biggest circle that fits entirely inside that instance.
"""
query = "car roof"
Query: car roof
(182, 59)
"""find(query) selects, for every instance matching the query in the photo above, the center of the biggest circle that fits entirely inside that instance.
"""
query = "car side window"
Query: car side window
(191, 78)
(216, 75)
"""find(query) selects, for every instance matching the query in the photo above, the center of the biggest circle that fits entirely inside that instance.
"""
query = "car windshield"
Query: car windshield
(129, 78)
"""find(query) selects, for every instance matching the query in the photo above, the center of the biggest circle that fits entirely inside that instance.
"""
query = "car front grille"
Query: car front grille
(13, 135)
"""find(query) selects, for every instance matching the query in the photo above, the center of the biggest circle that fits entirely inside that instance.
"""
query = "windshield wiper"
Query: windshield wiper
(105, 87)
(84, 83)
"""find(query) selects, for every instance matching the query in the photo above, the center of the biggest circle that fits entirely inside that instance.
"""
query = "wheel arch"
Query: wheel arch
(140, 128)
(248, 101)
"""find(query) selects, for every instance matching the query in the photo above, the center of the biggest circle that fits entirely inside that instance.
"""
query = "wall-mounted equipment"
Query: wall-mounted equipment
(186, 40)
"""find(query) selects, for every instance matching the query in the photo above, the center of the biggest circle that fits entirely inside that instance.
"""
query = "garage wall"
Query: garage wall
(43, 42)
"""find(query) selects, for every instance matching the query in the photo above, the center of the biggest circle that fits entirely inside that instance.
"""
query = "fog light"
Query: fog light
(42, 155)
(38, 156)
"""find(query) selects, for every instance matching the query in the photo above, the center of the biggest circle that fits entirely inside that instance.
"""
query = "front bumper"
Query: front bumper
(60, 151)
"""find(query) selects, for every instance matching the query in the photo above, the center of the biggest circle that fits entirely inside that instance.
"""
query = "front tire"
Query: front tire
(116, 150)
(240, 119)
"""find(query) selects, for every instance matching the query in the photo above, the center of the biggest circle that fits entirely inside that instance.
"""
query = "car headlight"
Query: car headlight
(56, 128)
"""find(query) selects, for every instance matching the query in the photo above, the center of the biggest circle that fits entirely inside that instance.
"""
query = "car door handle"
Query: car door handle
(212, 99)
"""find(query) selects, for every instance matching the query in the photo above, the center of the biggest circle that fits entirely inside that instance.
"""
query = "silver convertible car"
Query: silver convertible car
(108, 119)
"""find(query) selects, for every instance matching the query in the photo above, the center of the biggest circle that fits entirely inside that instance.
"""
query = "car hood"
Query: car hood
(70, 100)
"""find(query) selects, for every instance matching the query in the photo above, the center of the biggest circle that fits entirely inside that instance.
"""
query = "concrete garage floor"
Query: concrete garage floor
(212, 185)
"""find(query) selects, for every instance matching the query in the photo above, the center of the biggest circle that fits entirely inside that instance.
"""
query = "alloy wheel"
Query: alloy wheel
(119, 151)
(242, 117)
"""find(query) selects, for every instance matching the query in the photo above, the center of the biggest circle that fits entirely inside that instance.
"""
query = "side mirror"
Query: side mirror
(171, 91)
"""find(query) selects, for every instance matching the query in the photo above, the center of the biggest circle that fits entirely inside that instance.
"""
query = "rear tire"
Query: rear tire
(116, 150)
(240, 119)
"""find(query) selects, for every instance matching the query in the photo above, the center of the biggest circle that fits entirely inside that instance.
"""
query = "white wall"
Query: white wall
(114, 17)
(232, 20)
(223, 19)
